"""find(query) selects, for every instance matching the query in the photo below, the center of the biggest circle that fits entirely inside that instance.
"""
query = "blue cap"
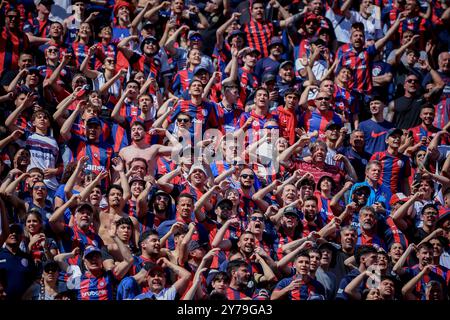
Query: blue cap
(394, 131)
(94, 120)
(199, 68)
(89, 250)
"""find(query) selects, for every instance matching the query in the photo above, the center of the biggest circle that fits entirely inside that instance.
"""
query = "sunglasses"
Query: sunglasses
(196, 38)
(13, 16)
(247, 176)
(39, 188)
(412, 81)
(272, 127)
(184, 120)
(257, 218)
(323, 98)
(109, 61)
(361, 193)
(225, 208)
(52, 50)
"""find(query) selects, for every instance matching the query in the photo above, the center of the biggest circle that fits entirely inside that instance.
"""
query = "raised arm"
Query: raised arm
(408, 288)
(10, 122)
(353, 288)
(221, 31)
(54, 220)
(397, 268)
(120, 269)
(84, 68)
(219, 241)
(399, 215)
(258, 197)
(104, 88)
(123, 46)
(68, 123)
(379, 45)
(115, 114)
(183, 275)
(137, 20)
(68, 188)
(21, 75)
(169, 46)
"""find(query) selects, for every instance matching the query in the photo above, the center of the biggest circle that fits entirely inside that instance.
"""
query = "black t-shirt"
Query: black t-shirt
(407, 112)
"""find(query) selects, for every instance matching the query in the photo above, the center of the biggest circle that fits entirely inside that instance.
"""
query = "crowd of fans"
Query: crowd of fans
(224, 150)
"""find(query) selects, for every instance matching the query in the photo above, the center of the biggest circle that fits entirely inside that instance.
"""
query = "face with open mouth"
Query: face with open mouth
(247, 243)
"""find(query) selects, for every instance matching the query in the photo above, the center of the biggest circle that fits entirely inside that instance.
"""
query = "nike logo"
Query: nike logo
(377, 135)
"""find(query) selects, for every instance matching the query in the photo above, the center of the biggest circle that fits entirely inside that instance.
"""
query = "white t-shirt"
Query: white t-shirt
(372, 25)
(44, 154)
(341, 26)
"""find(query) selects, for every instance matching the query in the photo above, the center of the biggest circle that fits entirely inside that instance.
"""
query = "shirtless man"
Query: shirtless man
(141, 149)
(117, 196)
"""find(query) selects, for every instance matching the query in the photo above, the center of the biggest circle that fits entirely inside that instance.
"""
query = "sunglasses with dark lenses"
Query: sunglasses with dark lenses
(12, 16)
(39, 188)
(225, 207)
(257, 218)
(196, 38)
(52, 50)
(412, 81)
(184, 120)
(323, 98)
(361, 193)
(272, 127)
(249, 176)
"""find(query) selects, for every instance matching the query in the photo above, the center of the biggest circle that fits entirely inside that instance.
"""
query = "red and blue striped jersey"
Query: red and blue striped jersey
(344, 102)
(99, 155)
(181, 81)
(317, 121)
(259, 35)
(118, 138)
(360, 62)
(417, 25)
(164, 165)
(79, 130)
(102, 51)
(392, 234)
(441, 112)
(421, 131)
(80, 51)
(37, 27)
(255, 130)
(368, 240)
(248, 82)
(150, 66)
(204, 114)
(96, 288)
(324, 208)
(138, 264)
(438, 273)
(280, 241)
(394, 169)
(11, 45)
(74, 237)
(304, 292)
(233, 294)
(228, 120)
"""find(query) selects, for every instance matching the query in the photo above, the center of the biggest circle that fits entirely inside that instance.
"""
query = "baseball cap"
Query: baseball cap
(89, 250)
(224, 201)
(333, 124)
(199, 69)
(443, 217)
(195, 167)
(148, 24)
(235, 33)
(249, 50)
(323, 30)
(153, 267)
(147, 40)
(398, 197)
(268, 76)
(291, 211)
(85, 205)
(15, 228)
(394, 131)
(193, 33)
(135, 178)
(194, 244)
(95, 121)
(275, 41)
(285, 63)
